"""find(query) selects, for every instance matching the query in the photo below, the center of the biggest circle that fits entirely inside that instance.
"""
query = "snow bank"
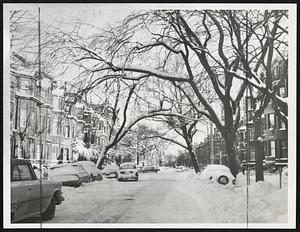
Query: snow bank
(264, 202)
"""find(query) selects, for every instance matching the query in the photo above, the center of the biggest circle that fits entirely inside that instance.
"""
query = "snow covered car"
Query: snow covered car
(128, 171)
(150, 168)
(219, 173)
(179, 168)
(90, 167)
(68, 174)
(26, 190)
(110, 171)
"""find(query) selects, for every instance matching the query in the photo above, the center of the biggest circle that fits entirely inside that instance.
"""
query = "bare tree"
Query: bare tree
(222, 43)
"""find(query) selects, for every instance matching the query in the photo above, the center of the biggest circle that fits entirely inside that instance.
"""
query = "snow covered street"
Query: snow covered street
(173, 197)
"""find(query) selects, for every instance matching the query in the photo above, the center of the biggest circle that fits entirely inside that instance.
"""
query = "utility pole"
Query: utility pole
(40, 107)
(212, 142)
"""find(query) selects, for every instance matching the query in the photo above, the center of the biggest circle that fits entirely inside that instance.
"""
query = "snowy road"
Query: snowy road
(160, 197)
(172, 197)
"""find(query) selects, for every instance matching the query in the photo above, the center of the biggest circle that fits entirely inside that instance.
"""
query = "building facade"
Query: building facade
(45, 121)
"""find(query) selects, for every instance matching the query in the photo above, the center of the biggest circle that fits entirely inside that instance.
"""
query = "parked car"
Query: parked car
(110, 171)
(26, 190)
(179, 168)
(150, 168)
(69, 174)
(219, 173)
(90, 167)
(128, 171)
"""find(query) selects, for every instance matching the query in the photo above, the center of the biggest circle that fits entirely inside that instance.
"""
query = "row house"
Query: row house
(273, 130)
(45, 122)
(211, 150)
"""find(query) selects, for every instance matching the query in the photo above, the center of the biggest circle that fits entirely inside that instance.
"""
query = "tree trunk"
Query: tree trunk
(193, 156)
(231, 155)
(194, 161)
(259, 149)
(101, 157)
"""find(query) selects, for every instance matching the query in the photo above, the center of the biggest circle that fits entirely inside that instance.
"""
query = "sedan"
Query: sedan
(26, 192)
(128, 171)
(149, 168)
(90, 167)
(218, 173)
(110, 171)
(69, 174)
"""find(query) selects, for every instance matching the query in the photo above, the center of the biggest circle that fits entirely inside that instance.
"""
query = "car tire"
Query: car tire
(50, 211)
(223, 180)
(119, 179)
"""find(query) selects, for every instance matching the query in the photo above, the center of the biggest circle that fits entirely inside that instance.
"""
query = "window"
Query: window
(281, 124)
(251, 134)
(252, 154)
(283, 146)
(282, 92)
(271, 121)
(15, 174)
(67, 132)
(101, 126)
(92, 138)
(250, 103)
(272, 149)
(25, 172)
(22, 118)
(49, 125)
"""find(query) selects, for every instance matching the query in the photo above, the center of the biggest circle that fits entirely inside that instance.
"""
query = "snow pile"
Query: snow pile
(266, 203)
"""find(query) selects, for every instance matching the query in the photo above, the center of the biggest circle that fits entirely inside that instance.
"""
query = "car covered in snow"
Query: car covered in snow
(128, 171)
(90, 167)
(69, 174)
(179, 168)
(150, 168)
(218, 173)
(110, 171)
(26, 191)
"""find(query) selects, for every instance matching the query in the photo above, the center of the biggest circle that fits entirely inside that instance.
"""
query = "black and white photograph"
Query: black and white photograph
(149, 115)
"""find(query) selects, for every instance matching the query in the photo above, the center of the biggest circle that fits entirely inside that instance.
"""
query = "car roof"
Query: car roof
(216, 166)
(15, 161)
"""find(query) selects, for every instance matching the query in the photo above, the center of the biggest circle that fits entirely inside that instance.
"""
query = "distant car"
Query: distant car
(110, 171)
(90, 167)
(179, 168)
(68, 174)
(128, 171)
(26, 190)
(219, 173)
(150, 168)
